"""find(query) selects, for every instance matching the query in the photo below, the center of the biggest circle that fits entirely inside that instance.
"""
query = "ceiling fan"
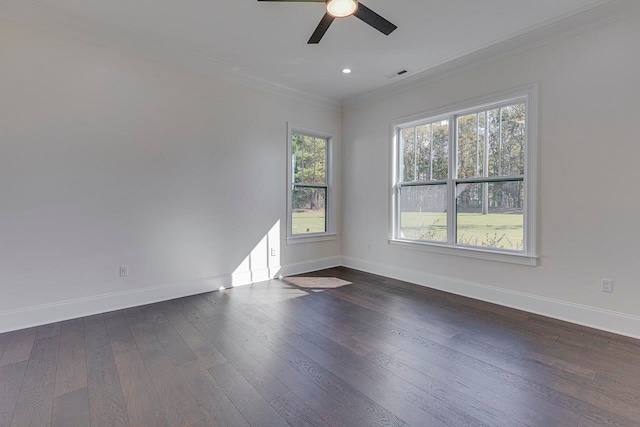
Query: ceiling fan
(344, 9)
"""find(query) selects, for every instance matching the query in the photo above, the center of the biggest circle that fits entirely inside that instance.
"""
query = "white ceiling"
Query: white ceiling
(266, 41)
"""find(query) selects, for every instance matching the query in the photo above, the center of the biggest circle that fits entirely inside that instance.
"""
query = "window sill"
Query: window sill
(295, 240)
(487, 254)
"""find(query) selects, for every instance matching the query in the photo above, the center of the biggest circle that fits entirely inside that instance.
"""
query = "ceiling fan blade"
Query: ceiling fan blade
(322, 28)
(376, 21)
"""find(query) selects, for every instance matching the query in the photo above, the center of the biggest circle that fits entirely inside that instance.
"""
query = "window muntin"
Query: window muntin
(309, 184)
(482, 199)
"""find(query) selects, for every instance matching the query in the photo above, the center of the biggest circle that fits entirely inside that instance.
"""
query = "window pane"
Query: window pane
(309, 159)
(424, 152)
(309, 210)
(408, 153)
(491, 215)
(423, 213)
(506, 132)
(470, 145)
(440, 150)
(513, 136)
(424, 148)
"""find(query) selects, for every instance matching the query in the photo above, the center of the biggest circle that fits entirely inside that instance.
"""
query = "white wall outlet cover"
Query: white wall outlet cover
(607, 285)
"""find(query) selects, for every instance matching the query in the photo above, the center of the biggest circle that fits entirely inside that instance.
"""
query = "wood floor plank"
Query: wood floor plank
(180, 407)
(367, 409)
(627, 390)
(412, 340)
(314, 396)
(565, 417)
(204, 350)
(71, 373)
(71, 409)
(586, 422)
(143, 405)
(598, 399)
(34, 407)
(251, 405)
(343, 417)
(443, 307)
(269, 374)
(41, 370)
(352, 338)
(413, 390)
(11, 377)
(19, 346)
(106, 401)
(48, 331)
(175, 347)
(526, 382)
(141, 330)
(553, 355)
(296, 412)
(4, 342)
(404, 309)
(476, 390)
(210, 396)
(431, 364)
(382, 386)
(529, 359)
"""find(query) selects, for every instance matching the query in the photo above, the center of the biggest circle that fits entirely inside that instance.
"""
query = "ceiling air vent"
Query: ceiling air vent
(396, 74)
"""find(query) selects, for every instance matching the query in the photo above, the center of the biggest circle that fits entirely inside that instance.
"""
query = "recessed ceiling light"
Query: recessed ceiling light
(346, 71)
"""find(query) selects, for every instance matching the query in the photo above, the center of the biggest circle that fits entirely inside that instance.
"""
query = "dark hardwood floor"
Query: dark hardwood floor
(331, 348)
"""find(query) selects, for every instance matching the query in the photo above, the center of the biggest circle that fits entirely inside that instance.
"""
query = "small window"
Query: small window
(462, 178)
(309, 189)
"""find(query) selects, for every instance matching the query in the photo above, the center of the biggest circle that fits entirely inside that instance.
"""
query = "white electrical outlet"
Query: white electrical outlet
(124, 270)
(607, 285)
(368, 247)
(273, 251)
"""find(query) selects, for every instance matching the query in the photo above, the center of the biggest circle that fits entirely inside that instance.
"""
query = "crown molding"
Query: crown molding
(53, 20)
(529, 39)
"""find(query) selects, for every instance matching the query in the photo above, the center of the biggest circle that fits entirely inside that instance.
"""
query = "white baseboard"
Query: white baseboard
(618, 323)
(610, 321)
(72, 309)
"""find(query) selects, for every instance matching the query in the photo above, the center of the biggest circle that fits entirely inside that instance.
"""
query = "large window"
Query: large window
(309, 185)
(462, 179)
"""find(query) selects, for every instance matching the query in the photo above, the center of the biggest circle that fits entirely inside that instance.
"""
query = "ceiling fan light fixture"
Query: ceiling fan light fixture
(342, 8)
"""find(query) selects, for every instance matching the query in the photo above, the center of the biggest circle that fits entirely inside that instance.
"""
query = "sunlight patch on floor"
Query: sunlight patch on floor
(317, 282)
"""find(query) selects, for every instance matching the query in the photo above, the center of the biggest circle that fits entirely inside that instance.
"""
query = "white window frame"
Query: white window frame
(331, 200)
(528, 256)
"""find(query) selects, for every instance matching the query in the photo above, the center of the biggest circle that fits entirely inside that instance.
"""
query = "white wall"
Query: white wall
(589, 207)
(106, 159)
